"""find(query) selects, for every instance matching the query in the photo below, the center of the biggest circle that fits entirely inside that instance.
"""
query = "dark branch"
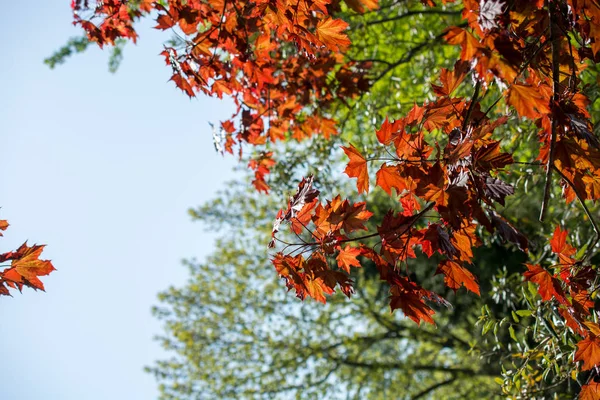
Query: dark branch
(554, 37)
(430, 389)
(471, 106)
(414, 12)
(394, 365)
(411, 53)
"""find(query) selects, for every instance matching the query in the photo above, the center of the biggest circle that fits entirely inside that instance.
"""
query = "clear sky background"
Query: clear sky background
(102, 168)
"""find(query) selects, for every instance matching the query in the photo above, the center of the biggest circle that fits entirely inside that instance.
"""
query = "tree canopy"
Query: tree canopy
(231, 331)
(469, 116)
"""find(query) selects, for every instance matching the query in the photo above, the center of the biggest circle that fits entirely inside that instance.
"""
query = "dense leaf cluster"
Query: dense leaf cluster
(509, 117)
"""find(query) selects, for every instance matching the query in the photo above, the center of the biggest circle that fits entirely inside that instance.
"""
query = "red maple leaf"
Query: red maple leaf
(591, 391)
(3, 225)
(388, 131)
(388, 177)
(469, 43)
(455, 276)
(529, 101)
(588, 351)
(411, 303)
(347, 258)
(560, 246)
(357, 168)
(548, 286)
(25, 268)
(300, 221)
(329, 31)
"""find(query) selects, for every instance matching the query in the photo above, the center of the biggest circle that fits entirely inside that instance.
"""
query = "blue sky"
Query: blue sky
(102, 169)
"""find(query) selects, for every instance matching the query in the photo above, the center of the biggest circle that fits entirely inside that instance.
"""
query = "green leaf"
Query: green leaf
(515, 317)
(486, 328)
(511, 331)
(524, 313)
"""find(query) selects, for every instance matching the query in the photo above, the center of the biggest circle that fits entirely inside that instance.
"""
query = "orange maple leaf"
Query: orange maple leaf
(432, 183)
(560, 246)
(347, 258)
(451, 79)
(316, 289)
(588, 351)
(571, 322)
(355, 216)
(388, 178)
(386, 133)
(549, 287)
(357, 168)
(329, 31)
(463, 241)
(592, 186)
(469, 43)
(455, 276)
(591, 391)
(303, 217)
(26, 267)
(528, 101)
(360, 5)
(490, 157)
(331, 278)
(412, 305)
(3, 225)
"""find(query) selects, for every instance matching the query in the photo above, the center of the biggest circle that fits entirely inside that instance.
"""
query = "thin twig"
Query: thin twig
(471, 106)
(554, 36)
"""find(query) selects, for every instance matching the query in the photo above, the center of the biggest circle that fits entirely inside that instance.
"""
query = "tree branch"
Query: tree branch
(471, 106)
(554, 37)
(430, 389)
(418, 367)
(411, 53)
(414, 12)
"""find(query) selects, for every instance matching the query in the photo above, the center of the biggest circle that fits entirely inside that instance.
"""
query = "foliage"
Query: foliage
(73, 45)
(231, 332)
(25, 267)
(512, 111)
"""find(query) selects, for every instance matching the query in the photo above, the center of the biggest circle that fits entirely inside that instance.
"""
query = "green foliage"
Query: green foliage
(73, 45)
(233, 332)
(79, 45)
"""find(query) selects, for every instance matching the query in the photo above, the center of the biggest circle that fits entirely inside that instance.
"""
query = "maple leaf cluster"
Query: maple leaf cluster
(283, 63)
(446, 168)
(457, 186)
(25, 267)
(280, 61)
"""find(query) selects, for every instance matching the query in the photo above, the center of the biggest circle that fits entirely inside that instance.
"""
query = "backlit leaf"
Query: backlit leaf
(588, 351)
(456, 276)
(347, 258)
(357, 168)
(329, 31)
